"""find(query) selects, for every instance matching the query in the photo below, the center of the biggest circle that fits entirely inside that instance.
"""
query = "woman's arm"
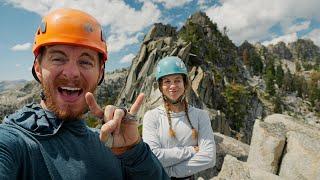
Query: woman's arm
(167, 156)
(205, 158)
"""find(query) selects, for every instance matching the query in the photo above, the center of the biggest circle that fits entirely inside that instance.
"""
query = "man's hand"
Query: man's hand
(125, 133)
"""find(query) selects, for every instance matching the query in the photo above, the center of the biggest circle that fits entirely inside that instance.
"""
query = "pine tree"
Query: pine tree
(236, 95)
(270, 66)
(287, 81)
(277, 104)
(279, 75)
(314, 89)
(270, 84)
(256, 63)
(299, 83)
(298, 66)
(245, 57)
(270, 77)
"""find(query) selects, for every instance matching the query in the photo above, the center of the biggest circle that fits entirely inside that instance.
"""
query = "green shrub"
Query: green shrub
(236, 97)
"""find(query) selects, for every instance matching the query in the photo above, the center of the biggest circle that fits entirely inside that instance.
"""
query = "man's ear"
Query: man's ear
(37, 69)
(101, 74)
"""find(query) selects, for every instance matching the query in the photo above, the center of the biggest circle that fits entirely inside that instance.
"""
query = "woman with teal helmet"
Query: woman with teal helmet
(169, 66)
(180, 135)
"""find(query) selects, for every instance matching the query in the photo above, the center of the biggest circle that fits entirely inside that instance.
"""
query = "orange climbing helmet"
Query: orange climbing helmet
(70, 26)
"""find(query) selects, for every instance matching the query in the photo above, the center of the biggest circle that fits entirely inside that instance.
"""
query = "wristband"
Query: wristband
(121, 150)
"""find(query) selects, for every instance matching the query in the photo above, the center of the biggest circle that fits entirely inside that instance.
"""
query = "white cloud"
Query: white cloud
(117, 42)
(285, 38)
(298, 27)
(120, 18)
(202, 4)
(252, 19)
(127, 58)
(314, 36)
(114, 13)
(21, 47)
(18, 65)
(169, 4)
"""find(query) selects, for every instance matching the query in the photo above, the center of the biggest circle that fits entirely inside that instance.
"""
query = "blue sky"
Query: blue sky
(126, 22)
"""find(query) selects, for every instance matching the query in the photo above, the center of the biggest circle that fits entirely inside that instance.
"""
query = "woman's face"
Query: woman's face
(173, 86)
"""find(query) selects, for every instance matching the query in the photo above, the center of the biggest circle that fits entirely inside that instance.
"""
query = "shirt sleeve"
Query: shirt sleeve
(140, 163)
(167, 156)
(205, 158)
(8, 160)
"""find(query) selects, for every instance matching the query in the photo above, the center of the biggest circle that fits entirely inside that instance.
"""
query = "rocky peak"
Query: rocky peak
(209, 46)
(280, 50)
(159, 30)
(245, 45)
(262, 51)
(200, 18)
(305, 49)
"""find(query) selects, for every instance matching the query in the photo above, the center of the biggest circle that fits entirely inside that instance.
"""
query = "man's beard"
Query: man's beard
(65, 114)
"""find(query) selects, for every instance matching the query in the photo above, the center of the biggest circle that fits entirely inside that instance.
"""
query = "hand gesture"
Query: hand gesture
(125, 133)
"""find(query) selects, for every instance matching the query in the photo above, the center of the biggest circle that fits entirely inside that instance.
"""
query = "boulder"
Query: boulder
(302, 157)
(266, 147)
(225, 146)
(292, 124)
(235, 169)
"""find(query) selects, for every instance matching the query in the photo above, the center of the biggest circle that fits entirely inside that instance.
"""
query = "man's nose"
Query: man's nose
(71, 70)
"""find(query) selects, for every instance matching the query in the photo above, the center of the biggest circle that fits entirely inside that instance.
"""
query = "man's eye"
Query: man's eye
(86, 62)
(58, 60)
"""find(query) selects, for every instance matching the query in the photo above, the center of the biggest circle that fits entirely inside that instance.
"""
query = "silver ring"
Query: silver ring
(124, 110)
(130, 117)
(127, 115)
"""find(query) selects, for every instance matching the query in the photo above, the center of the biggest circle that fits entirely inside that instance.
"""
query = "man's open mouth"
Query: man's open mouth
(70, 91)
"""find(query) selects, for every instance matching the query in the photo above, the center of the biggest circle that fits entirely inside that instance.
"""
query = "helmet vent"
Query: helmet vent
(43, 27)
(103, 36)
(88, 28)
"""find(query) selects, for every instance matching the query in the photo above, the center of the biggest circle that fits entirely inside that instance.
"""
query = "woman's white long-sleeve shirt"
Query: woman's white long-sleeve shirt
(177, 154)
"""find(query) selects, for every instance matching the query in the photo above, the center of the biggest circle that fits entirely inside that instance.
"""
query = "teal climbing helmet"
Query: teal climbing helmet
(170, 65)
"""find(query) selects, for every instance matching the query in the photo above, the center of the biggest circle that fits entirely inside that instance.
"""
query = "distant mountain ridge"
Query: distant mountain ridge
(6, 85)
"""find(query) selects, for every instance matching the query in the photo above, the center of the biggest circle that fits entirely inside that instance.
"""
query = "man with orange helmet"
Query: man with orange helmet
(50, 140)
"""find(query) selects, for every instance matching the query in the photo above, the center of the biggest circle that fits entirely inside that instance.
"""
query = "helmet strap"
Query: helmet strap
(42, 96)
(174, 102)
(102, 77)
